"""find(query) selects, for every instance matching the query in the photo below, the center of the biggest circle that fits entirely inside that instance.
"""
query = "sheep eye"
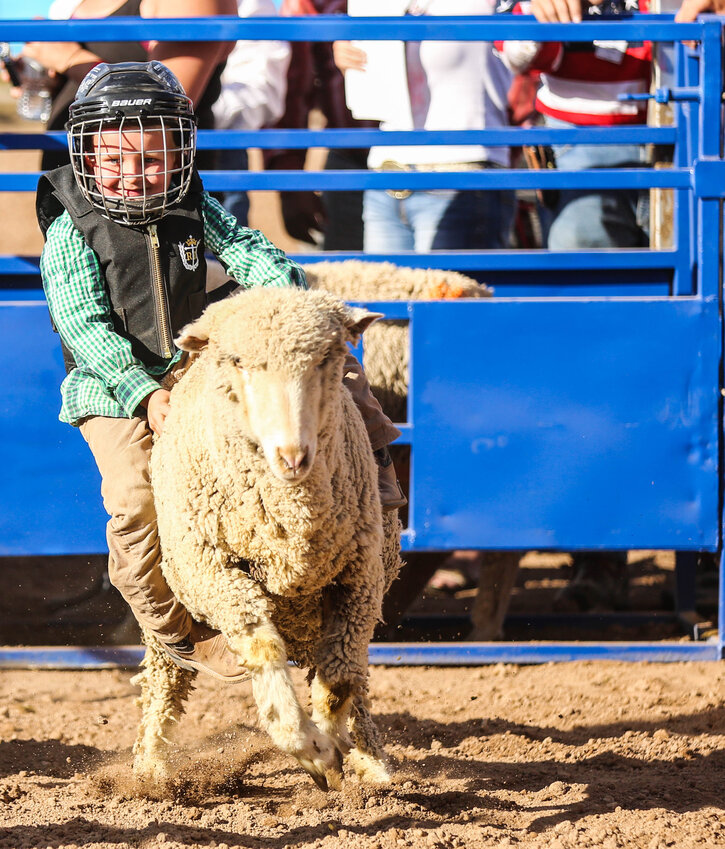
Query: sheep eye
(236, 361)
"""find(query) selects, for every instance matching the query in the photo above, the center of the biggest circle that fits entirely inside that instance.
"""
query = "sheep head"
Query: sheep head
(275, 357)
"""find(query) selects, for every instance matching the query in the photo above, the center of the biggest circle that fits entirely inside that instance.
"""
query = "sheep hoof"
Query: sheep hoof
(368, 768)
(326, 779)
(325, 772)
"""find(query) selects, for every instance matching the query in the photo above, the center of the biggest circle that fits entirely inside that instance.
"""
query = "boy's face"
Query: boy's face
(133, 163)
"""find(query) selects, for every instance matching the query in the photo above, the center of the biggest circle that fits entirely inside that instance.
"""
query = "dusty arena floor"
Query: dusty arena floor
(605, 754)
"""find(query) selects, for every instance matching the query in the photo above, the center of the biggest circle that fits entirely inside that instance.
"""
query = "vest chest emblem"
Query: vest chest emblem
(189, 252)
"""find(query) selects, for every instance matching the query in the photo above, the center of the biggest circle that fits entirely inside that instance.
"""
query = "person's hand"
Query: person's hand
(690, 9)
(347, 57)
(55, 56)
(157, 408)
(14, 91)
(559, 11)
(303, 215)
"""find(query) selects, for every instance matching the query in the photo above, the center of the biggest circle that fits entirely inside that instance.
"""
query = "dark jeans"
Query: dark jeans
(236, 202)
(344, 210)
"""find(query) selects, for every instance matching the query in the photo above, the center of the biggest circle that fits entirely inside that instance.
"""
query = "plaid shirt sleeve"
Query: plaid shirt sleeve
(81, 312)
(249, 257)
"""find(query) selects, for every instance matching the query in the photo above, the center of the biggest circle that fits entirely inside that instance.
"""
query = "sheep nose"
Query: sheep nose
(293, 458)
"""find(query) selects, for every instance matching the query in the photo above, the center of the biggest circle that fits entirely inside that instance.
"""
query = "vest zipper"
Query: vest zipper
(162, 306)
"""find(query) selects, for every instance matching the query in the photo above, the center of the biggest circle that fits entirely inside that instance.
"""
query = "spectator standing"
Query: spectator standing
(451, 86)
(332, 220)
(581, 83)
(253, 88)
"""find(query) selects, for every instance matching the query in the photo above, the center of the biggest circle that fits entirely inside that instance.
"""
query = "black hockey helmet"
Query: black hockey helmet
(139, 116)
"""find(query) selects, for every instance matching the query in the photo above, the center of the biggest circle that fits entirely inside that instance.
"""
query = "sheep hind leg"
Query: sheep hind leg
(164, 688)
(368, 757)
(280, 713)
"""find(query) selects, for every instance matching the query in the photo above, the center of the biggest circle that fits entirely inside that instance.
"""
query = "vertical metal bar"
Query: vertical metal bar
(685, 570)
(709, 143)
(412, 500)
(683, 232)
(693, 78)
(710, 88)
(721, 607)
(709, 218)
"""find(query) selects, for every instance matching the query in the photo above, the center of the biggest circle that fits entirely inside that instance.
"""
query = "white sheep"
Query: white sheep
(385, 359)
(271, 527)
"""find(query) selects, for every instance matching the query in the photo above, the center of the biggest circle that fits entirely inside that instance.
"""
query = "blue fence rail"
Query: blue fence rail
(579, 409)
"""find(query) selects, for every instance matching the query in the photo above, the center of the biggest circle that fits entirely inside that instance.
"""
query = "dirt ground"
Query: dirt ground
(581, 754)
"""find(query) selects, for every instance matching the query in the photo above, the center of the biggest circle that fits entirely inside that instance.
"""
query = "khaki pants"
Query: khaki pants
(122, 448)
(381, 431)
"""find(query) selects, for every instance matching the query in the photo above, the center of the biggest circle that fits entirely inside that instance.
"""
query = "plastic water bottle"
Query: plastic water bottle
(35, 100)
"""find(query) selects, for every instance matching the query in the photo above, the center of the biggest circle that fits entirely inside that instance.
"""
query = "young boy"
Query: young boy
(126, 227)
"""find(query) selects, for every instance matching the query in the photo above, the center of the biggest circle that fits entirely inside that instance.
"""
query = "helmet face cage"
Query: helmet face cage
(113, 161)
(132, 141)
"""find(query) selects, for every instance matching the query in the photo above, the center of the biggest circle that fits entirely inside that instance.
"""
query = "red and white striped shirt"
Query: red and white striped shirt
(581, 82)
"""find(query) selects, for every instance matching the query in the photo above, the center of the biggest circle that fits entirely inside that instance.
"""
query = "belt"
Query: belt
(402, 194)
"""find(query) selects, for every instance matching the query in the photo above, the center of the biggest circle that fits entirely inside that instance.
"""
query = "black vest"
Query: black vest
(148, 315)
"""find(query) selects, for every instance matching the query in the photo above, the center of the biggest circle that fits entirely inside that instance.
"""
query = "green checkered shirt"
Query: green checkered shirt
(109, 380)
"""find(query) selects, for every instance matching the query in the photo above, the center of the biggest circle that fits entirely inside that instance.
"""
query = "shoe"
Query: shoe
(600, 582)
(206, 650)
(391, 494)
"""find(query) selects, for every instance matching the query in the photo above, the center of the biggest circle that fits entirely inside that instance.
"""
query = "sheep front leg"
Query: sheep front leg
(164, 688)
(351, 609)
(280, 713)
(228, 599)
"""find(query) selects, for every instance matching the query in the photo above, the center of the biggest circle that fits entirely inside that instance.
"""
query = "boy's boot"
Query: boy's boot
(206, 650)
(391, 494)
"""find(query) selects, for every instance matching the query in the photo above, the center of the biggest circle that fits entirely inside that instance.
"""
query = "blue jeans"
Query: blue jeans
(443, 219)
(236, 202)
(592, 218)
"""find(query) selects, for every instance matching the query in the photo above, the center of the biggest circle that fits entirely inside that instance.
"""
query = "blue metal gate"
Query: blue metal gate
(580, 409)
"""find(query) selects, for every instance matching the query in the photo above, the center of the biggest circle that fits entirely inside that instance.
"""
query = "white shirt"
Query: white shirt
(254, 81)
(453, 85)
(62, 10)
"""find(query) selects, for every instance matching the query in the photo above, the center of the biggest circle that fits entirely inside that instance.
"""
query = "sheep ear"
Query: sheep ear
(357, 320)
(195, 336)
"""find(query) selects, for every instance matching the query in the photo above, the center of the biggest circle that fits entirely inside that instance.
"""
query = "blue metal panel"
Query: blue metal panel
(392, 654)
(62, 657)
(496, 178)
(518, 260)
(721, 608)
(565, 424)
(472, 654)
(50, 497)
(223, 139)
(332, 27)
